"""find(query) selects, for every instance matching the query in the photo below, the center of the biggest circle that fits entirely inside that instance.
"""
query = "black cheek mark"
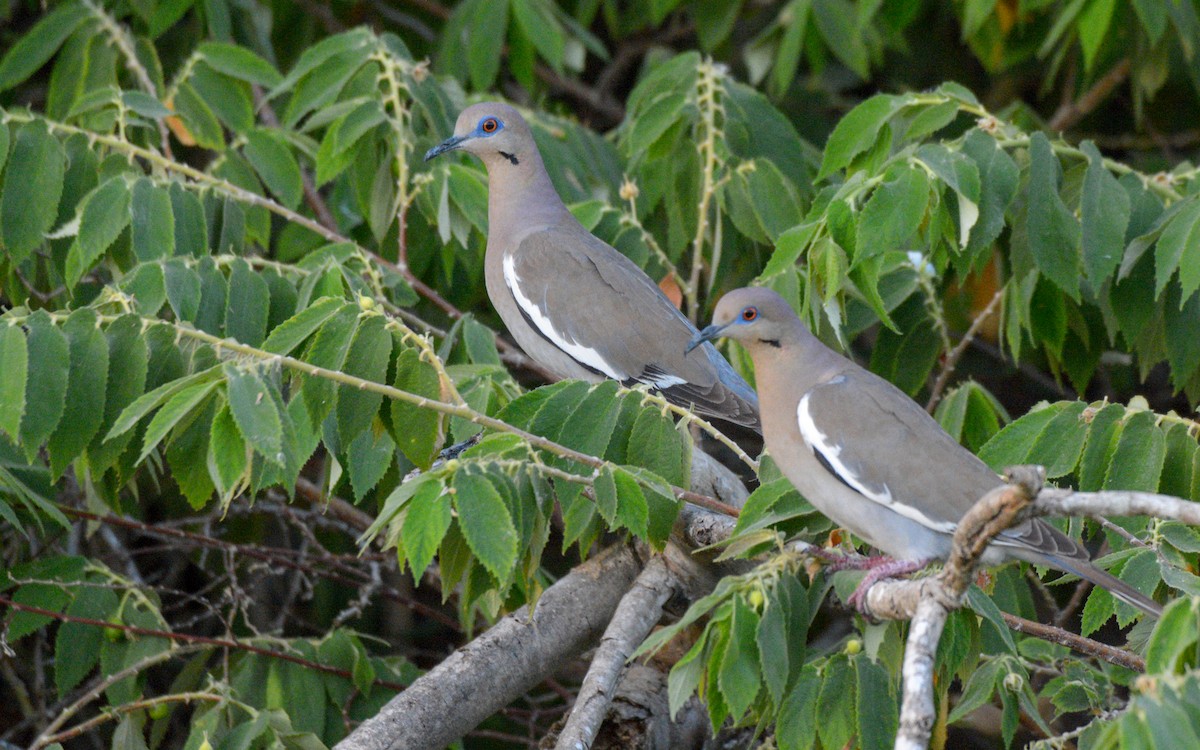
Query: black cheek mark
(771, 342)
(510, 157)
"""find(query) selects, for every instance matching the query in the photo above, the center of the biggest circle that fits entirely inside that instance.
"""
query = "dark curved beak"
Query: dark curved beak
(449, 144)
(708, 334)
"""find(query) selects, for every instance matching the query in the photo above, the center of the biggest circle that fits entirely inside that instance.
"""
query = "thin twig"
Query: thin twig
(955, 354)
(1072, 112)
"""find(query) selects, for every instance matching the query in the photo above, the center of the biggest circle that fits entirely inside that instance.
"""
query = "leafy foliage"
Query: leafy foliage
(227, 280)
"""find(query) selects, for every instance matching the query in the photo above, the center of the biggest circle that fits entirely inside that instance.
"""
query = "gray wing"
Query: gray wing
(879, 442)
(598, 307)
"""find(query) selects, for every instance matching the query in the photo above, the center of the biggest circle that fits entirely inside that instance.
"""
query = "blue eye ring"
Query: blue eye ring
(489, 125)
(749, 314)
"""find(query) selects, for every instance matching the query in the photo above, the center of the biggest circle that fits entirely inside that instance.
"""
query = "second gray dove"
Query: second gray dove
(872, 460)
(573, 303)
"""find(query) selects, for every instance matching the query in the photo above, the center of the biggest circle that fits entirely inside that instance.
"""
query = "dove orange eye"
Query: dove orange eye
(749, 314)
(489, 125)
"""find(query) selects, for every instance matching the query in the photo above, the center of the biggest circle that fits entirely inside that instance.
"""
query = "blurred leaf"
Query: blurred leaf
(14, 363)
(33, 183)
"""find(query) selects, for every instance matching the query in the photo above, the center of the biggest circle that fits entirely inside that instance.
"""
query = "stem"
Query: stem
(955, 354)
(708, 89)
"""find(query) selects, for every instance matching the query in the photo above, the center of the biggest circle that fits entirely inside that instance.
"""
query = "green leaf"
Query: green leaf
(536, 19)
(1093, 24)
(46, 386)
(656, 445)
(856, 132)
(893, 213)
(877, 709)
(85, 397)
(486, 23)
(1053, 231)
(293, 332)
(1012, 445)
(1174, 636)
(998, 179)
(228, 458)
(103, 215)
(146, 105)
(183, 289)
(1179, 243)
(328, 350)
(486, 523)
(368, 358)
(425, 525)
(836, 20)
(152, 221)
(836, 705)
(173, 411)
(1106, 210)
(368, 457)
(797, 724)
(198, 116)
(255, 412)
(39, 44)
(1060, 444)
(128, 363)
(33, 183)
(191, 228)
(740, 676)
(247, 304)
(1101, 441)
(1153, 17)
(77, 645)
(240, 63)
(1138, 458)
(270, 156)
(14, 363)
(418, 431)
(773, 646)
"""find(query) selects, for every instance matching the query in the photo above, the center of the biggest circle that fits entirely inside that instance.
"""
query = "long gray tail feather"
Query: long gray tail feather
(1115, 586)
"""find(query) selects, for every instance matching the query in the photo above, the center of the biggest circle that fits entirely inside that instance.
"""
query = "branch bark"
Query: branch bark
(639, 610)
(503, 663)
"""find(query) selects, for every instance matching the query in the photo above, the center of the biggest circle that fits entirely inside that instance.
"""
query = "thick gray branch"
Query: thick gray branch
(637, 613)
(505, 662)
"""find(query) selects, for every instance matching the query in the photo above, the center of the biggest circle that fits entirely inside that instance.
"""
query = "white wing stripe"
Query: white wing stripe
(584, 354)
(820, 443)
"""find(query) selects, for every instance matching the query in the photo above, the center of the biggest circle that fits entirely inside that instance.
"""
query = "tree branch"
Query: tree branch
(639, 610)
(503, 663)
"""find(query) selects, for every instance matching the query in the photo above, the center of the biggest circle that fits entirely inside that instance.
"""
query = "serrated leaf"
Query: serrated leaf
(1105, 208)
(877, 709)
(1012, 445)
(238, 62)
(255, 412)
(740, 675)
(1053, 231)
(425, 525)
(46, 386)
(14, 363)
(1179, 239)
(191, 230)
(486, 524)
(998, 179)
(87, 380)
(227, 455)
(77, 645)
(418, 431)
(275, 164)
(247, 304)
(1097, 451)
(771, 638)
(173, 411)
(797, 725)
(655, 445)
(152, 221)
(368, 357)
(1060, 444)
(36, 46)
(103, 215)
(836, 705)
(856, 132)
(33, 184)
(368, 458)
(1138, 458)
(893, 213)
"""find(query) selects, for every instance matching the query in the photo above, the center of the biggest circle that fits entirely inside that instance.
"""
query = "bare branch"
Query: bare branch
(639, 610)
(514, 655)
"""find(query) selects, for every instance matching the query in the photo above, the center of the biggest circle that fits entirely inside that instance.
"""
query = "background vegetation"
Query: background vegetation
(238, 311)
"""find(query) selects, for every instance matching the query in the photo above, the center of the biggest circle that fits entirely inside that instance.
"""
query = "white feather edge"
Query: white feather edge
(819, 442)
(584, 354)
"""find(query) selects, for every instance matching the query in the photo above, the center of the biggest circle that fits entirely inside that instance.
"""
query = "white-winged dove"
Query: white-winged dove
(572, 302)
(868, 457)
